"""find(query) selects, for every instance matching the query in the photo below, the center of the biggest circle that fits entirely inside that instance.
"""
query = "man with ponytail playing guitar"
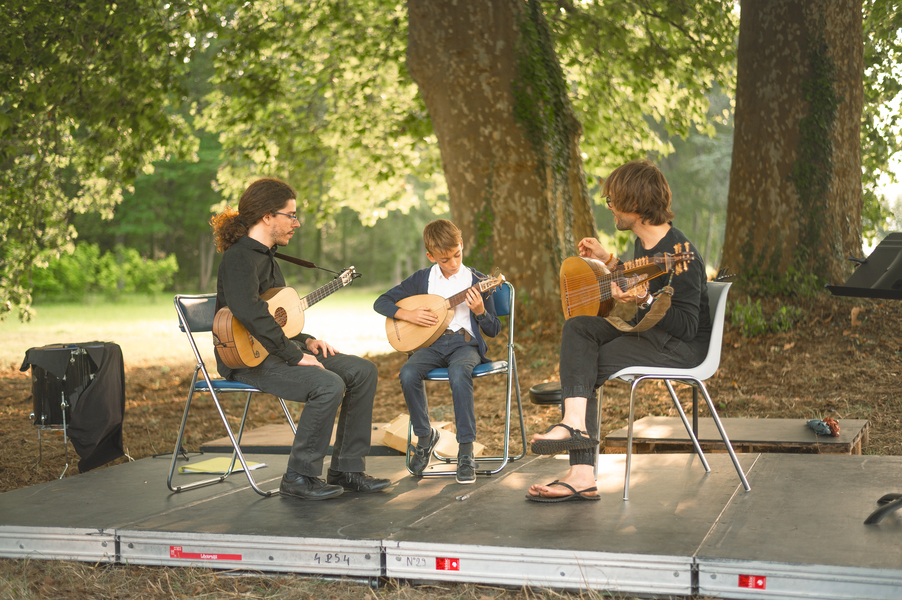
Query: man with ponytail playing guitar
(301, 369)
(460, 347)
(592, 349)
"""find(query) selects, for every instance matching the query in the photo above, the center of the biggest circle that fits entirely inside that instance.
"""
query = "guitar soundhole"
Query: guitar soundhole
(281, 316)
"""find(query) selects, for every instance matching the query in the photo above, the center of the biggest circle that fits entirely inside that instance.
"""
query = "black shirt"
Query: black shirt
(249, 269)
(689, 318)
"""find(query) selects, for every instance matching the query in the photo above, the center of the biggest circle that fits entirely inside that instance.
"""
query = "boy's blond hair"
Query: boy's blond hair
(441, 236)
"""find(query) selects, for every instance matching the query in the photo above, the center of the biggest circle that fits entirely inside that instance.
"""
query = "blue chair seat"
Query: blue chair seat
(498, 366)
(224, 385)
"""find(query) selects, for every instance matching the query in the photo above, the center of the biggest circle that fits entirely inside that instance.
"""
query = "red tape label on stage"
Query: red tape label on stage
(176, 552)
(753, 582)
(447, 564)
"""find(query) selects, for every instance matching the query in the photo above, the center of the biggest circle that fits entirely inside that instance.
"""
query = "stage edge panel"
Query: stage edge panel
(58, 543)
(558, 569)
(755, 579)
(351, 558)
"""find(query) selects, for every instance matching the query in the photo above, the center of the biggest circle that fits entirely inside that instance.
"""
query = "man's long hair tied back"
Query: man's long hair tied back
(228, 228)
(263, 197)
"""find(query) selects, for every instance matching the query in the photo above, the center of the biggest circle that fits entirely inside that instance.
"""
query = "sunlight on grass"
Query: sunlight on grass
(147, 328)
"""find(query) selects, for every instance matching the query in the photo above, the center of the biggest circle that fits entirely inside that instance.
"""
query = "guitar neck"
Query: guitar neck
(480, 287)
(460, 296)
(627, 279)
(320, 293)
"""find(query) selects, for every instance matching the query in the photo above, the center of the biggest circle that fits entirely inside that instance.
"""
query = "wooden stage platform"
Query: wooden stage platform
(667, 434)
(798, 533)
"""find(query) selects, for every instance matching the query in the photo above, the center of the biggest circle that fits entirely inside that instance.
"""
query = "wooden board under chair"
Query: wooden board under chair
(395, 436)
(276, 438)
(667, 435)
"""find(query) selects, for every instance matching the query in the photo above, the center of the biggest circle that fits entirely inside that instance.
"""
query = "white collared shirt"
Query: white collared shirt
(447, 287)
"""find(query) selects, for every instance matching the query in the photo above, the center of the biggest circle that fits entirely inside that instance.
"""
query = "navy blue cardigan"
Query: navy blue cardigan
(418, 283)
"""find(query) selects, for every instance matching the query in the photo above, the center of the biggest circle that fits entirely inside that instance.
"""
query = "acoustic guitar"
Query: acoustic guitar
(234, 344)
(586, 282)
(409, 337)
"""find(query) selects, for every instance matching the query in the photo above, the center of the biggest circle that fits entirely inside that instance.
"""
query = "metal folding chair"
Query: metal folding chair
(694, 377)
(504, 307)
(195, 313)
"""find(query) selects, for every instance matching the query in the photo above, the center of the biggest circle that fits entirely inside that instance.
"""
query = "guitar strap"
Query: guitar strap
(296, 261)
(658, 310)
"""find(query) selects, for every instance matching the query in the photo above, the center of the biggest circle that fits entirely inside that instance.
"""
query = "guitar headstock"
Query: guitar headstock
(680, 258)
(661, 263)
(491, 281)
(348, 275)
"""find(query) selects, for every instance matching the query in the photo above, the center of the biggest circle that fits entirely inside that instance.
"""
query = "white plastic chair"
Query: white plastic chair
(694, 377)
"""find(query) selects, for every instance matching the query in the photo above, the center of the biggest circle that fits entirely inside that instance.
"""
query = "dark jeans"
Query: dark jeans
(592, 350)
(347, 381)
(460, 357)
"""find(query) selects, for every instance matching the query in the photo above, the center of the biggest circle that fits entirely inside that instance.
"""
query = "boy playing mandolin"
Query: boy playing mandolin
(460, 347)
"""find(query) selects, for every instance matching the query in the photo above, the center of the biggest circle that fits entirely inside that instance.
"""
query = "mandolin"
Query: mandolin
(234, 344)
(408, 337)
(586, 282)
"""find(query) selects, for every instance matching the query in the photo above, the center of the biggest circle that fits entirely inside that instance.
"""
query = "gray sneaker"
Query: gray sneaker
(466, 469)
(419, 457)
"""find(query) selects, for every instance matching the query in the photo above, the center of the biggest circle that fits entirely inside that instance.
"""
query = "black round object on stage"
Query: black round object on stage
(546, 393)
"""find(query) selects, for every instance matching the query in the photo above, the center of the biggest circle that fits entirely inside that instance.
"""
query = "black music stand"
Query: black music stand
(877, 276)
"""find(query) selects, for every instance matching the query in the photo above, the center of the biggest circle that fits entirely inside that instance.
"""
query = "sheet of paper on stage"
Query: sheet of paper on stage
(218, 465)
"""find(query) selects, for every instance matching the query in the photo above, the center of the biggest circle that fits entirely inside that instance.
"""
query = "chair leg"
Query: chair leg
(407, 450)
(513, 384)
(598, 428)
(629, 440)
(178, 441)
(237, 453)
(237, 447)
(695, 410)
(723, 435)
(516, 384)
(247, 405)
(291, 423)
(692, 435)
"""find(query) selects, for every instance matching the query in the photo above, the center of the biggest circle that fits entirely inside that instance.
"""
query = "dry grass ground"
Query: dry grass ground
(843, 360)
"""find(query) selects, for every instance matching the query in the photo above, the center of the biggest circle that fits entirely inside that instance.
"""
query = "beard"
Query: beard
(624, 222)
(280, 236)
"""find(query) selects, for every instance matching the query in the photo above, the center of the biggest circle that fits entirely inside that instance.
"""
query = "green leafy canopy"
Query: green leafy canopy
(86, 97)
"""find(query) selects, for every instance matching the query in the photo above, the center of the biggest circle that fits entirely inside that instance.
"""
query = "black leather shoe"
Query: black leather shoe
(419, 457)
(308, 488)
(357, 482)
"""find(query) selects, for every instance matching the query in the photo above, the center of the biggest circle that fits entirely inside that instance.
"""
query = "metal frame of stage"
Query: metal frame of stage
(798, 534)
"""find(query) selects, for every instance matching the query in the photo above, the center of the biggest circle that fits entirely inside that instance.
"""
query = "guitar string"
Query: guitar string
(317, 295)
(460, 296)
(587, 293)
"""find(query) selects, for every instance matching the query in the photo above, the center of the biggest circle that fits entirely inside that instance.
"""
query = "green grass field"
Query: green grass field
(147, 329)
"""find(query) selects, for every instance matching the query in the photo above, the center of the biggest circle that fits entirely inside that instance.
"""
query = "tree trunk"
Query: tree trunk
(206, 251)
(795, 181)
(515, 185)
